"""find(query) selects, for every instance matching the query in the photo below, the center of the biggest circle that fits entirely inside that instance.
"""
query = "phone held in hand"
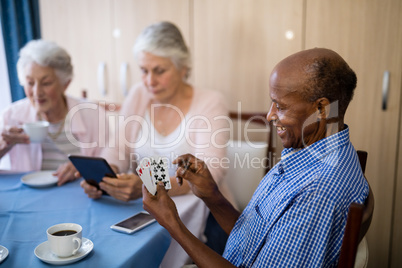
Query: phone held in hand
(133, 223)
(92, 169)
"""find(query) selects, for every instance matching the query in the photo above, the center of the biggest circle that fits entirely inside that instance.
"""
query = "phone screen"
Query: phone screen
(135, 221)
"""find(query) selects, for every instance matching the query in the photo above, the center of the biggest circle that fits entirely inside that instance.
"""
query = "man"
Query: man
(297, 215)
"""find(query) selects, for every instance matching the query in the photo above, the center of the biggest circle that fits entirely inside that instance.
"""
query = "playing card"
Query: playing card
(159, 171)
(144, 172)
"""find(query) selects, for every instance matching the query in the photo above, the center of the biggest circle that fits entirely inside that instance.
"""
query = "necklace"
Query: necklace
(56, 134)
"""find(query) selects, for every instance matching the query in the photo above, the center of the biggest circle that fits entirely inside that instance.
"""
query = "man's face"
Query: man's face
(295, 119)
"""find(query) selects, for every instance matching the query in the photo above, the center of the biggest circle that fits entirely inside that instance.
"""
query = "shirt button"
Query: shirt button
(280, 168)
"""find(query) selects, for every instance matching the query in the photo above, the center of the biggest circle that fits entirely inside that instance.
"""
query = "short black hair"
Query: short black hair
(330, 78)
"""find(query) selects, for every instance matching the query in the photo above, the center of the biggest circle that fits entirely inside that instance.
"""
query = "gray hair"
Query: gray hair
(164, 39)
(46, 54)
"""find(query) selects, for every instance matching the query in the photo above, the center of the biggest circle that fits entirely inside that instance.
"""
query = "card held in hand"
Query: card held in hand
(144, 172)
(159, 171)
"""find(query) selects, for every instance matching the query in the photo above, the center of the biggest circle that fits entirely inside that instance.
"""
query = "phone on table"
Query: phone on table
(92, 169)
(134, 223)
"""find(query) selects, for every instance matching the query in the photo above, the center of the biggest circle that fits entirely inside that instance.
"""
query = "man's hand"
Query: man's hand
(196, 172)
(161, 206)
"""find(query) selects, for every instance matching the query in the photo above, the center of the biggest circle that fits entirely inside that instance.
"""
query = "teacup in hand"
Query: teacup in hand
(37, 131)
(65, 239)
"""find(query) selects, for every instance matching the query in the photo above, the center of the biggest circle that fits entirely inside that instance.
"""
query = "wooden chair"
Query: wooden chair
(357, 225)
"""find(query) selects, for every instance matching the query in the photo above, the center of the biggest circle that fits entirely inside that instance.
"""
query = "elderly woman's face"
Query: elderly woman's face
(160, 76)
(43, 88)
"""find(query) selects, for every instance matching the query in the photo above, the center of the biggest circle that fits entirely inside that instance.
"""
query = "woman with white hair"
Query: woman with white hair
(45, 71)
(166, 116)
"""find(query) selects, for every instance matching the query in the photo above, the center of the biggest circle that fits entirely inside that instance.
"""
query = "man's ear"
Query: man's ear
(323, 108)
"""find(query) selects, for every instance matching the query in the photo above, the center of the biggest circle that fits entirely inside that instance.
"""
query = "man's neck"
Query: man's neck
(334, 127)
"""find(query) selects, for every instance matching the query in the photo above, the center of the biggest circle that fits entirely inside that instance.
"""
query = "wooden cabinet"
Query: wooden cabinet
(86, 35)
(237, 44)
(368, 35)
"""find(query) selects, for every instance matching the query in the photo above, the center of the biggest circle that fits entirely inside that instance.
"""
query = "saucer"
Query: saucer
(3, 253)
(44, 254)
(40, 179)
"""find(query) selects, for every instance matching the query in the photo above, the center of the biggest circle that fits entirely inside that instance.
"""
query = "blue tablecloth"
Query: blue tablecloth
(26, 213)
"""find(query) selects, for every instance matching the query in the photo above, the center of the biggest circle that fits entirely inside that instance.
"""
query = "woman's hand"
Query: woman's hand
(91, 190)
(196, 172)
(126, 187)
(14, 135)
(65, 173)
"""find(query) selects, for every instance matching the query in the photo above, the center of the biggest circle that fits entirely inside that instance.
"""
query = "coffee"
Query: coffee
(65, 239)
(64, 233)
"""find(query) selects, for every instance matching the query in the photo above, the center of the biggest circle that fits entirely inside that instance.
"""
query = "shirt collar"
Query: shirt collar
(312, 153)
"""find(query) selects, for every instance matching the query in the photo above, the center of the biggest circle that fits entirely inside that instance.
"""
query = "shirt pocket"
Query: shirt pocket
(271, 207)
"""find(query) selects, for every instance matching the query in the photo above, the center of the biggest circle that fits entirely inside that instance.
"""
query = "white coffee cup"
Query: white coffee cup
(37, 131)
(65, 239)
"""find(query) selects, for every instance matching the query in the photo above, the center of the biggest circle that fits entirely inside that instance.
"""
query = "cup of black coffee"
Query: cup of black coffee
(65, 239)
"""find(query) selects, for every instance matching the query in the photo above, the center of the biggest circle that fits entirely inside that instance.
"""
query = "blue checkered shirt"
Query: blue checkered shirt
(297, 215)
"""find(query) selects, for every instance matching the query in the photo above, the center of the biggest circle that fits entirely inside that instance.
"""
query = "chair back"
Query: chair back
(258, 118)
(248, 160)
(357, 224)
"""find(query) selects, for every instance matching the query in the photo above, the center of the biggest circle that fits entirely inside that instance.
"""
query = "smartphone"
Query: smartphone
(134, 223)
(92, 169)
